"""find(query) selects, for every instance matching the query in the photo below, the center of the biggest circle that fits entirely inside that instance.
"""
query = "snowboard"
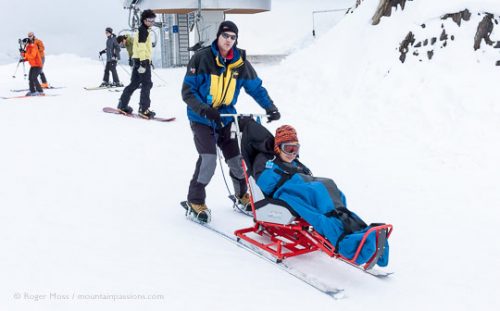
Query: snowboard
(135, 115)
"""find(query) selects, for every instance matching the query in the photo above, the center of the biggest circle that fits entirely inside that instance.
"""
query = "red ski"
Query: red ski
(26, 96)
(135, 115)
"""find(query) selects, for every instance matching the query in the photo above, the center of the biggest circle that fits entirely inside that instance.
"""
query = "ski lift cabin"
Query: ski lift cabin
(187, 25)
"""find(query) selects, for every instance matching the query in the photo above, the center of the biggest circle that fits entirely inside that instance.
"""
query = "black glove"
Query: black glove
(22, 60)
(102, 52)
(212, 114)
(273, 115)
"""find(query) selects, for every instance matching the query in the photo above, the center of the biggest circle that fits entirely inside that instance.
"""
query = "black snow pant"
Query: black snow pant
(205, 140)
(33, 78)
(137, 79)
(42, 74)
(110, 66)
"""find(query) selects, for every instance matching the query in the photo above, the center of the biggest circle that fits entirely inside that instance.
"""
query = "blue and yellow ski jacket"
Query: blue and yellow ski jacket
(213, 81)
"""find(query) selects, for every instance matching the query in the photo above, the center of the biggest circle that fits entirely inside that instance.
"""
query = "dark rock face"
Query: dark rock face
(459, 16)
(385, 9)
(427, 46)
(484, 30)
(430, 54)
(404, 46)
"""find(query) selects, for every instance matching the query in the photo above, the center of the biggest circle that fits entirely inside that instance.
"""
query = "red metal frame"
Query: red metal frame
(285, 241)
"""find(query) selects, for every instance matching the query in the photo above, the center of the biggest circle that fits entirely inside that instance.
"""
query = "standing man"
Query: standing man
(112, 52)
(214, 77)
(141, 73)
(41, 49)
(32, 55)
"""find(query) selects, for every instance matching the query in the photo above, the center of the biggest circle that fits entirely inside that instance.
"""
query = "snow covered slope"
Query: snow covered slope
(89, 201)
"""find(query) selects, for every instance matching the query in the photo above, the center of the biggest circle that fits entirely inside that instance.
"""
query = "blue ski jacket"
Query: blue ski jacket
(214, 81)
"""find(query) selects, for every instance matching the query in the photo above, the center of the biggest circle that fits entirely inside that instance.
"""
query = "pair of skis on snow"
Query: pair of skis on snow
(28, 96)
(332, 291)
(111, 88)
(46, 88)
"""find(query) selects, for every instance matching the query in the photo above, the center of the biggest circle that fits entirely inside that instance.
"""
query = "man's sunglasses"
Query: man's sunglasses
(290, 148)
(225, 35)
(150, 20)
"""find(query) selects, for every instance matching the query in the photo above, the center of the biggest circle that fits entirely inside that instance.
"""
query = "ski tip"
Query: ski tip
(378, 273)
(336, 293)
(184, 204)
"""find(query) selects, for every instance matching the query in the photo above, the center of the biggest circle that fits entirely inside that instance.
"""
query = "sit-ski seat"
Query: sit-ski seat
(269, 210)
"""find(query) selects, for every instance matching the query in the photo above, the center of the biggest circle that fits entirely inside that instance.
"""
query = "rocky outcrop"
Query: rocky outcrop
(484, 30)
(385, 8)
(431, 43)
(458, 17)
(405, 45)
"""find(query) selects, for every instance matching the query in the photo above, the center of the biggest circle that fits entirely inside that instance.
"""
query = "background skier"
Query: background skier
(32, 55)
(112, 52)
(41, 49)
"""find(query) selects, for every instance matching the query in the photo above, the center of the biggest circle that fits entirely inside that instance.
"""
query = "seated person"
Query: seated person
(280, 175)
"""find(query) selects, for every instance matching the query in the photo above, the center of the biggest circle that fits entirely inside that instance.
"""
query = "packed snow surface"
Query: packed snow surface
(89, 202)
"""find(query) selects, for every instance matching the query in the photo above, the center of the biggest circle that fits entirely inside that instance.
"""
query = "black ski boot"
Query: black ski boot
(146, 113)
(125, 109)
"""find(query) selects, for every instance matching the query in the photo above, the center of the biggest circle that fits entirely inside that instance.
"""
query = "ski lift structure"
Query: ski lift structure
(184, 26)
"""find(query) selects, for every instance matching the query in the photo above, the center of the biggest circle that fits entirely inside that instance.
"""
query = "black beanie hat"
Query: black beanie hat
(109, 29)
(227, 26)
(147, 14)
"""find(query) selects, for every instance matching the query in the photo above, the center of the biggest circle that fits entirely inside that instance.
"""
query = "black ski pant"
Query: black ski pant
(110, 66)
(42, 74)
(33, 79)
(205, 140)
(138, 79)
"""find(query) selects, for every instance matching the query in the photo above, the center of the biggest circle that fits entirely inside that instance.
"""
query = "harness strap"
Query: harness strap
(350, 223)
(285, 176)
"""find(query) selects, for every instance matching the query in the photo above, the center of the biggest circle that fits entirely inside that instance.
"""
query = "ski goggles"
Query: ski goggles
(290, 148)
(225, 35)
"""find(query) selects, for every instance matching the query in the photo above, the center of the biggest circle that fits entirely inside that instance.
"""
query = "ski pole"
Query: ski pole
(102, 61)
(124, 69)
(15, 72)
(24, 70)
(157, 75)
